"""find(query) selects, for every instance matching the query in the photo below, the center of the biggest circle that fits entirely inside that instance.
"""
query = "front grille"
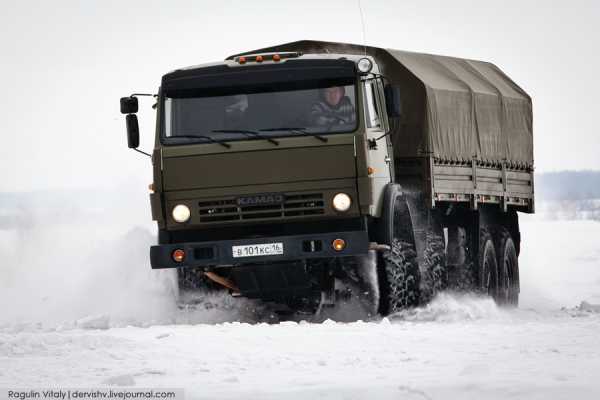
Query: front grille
(294, 205)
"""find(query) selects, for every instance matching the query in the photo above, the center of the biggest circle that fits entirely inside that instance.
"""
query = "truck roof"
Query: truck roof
(455, 109)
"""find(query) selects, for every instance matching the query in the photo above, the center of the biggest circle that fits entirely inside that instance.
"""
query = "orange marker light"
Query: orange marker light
(151, 187)
(338, 244)
(370, 170)
(178, 255)
(276, 57)
(242, 60)
(259, 58)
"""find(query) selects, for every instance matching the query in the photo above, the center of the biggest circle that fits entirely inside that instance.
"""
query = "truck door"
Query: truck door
(378, 154)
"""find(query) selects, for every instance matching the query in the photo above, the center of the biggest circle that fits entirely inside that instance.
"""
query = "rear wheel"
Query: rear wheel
(461, 268)
(508, 269)
(434, 277)
(400, 278)
(488, 266)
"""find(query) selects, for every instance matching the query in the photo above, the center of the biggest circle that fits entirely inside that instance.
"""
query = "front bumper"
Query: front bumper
(295, 247)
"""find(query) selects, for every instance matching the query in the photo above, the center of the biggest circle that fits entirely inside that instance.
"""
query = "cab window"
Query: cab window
(371, 110)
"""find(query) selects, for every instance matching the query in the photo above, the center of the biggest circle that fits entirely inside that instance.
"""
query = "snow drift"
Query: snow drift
(93, 272)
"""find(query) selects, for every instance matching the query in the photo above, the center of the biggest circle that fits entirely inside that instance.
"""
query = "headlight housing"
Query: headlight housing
(181, 213)
(342, 202)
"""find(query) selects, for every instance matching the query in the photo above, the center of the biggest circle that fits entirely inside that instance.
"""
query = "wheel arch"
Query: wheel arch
(390, 205)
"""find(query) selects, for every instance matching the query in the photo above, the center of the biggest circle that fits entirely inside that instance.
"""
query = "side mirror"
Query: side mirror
(129, 105)
(133, 131)
(393, 101)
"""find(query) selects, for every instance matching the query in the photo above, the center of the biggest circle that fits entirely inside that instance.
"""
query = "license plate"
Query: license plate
(255, 250)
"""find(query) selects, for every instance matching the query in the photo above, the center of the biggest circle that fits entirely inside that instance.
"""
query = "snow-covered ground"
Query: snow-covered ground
(78, 309)
(463, 348)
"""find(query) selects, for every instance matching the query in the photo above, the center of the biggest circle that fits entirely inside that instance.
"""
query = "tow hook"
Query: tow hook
(223, 282)
(379, 247)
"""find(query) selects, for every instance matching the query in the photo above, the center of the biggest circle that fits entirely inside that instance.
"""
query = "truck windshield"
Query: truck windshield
(288, 110)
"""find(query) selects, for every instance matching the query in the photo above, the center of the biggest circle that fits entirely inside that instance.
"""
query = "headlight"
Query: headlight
(181, 213)
(342, 202)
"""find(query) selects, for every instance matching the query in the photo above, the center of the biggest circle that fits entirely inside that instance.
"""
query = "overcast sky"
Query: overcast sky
(66, 63)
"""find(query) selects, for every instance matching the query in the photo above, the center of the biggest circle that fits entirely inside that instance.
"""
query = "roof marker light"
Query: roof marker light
(364, 65)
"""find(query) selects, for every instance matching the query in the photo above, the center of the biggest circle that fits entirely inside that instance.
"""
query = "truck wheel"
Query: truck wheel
(399, 280)
(461, 271)
(433, 274)
(508, 269)
(488, 265)
(397, 268)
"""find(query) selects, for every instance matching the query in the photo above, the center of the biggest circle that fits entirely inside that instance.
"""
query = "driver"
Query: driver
(235, 111)
(333, 108)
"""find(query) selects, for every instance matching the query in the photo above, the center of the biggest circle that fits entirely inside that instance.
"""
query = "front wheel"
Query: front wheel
(397, 269)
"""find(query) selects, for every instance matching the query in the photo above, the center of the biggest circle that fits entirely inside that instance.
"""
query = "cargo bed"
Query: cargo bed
(472, 182)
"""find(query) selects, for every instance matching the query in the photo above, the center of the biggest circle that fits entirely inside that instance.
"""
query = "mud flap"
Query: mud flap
(430, 245)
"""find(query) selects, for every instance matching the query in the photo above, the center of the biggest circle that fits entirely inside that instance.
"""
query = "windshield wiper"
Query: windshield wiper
(298, 130)
(247, 132)
(202, 137)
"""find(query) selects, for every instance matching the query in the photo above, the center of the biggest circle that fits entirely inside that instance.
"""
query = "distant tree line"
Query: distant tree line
(567, 185)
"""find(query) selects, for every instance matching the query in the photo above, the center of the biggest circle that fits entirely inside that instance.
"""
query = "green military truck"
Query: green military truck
(280, 172)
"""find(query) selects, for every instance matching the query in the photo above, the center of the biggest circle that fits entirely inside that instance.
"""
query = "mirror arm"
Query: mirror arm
(382, 136)
(373, 142)
(143, 152)
(143, 94)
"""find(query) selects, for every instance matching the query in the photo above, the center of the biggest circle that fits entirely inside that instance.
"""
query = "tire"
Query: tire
(397, 268)
(487, 281)
(430, 245)
(462, 272)
(434, 277)
(508, 269)
(399, 280)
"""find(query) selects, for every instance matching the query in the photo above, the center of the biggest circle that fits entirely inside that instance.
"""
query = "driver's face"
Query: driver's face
(333, 95)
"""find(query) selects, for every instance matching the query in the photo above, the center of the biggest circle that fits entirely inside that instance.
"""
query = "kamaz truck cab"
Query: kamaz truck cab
(281, 171)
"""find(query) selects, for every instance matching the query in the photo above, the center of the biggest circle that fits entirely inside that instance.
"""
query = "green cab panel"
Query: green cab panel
(273, 165)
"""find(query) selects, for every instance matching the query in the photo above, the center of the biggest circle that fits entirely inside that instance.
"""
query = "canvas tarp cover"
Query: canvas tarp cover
(455, 109)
